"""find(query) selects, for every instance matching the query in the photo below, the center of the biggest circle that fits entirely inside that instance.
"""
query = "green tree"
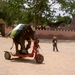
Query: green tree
(2, 9)
(65, 19)
(38, 8)
(68, 6)
(37, 11)
(14, 10)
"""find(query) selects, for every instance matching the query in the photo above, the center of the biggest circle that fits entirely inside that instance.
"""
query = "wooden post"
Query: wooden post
(3, 30)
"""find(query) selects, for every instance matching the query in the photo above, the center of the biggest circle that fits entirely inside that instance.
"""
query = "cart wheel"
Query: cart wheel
(39, 58)
(7, 55)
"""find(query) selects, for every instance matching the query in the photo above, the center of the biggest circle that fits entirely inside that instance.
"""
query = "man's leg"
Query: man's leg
(28, 46)
(53, 48)
(56, 48)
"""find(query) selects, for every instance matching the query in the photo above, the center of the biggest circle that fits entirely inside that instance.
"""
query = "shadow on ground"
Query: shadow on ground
(59, 41)
(22, 60)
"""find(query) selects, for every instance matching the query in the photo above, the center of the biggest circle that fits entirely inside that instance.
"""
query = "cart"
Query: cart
(35, 54)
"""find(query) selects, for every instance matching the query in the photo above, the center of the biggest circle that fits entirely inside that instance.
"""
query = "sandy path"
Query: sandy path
(55, 63)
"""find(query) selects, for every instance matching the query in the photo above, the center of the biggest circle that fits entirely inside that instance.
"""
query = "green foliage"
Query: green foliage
(38, 11)
(27, 17)
(65, 19)
(68, 6)
(2, 9)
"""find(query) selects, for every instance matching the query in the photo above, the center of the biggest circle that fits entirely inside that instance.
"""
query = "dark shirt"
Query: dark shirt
(54, 42)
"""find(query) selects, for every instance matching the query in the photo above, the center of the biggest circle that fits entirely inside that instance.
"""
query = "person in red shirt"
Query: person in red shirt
(36, 43)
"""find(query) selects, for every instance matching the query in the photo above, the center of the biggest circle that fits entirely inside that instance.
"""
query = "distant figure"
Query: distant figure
(54, 43)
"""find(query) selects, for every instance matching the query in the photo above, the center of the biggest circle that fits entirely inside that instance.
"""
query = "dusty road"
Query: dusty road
(55, 63)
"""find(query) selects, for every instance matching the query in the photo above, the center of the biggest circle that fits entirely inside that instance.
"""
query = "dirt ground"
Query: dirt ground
(55, 63)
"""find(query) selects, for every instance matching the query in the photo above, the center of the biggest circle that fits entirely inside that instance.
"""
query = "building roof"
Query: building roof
(2, 21)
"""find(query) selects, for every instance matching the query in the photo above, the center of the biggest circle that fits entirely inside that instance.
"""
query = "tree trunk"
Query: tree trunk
(36, 19)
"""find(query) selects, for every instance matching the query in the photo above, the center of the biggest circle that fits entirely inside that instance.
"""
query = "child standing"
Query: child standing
(54, 43)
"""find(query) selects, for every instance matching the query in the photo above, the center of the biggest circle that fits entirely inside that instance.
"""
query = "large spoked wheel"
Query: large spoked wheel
(39, 58)
(7, 55)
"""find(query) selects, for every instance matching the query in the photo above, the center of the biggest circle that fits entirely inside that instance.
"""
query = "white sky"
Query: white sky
(58, 11)
(26, 5)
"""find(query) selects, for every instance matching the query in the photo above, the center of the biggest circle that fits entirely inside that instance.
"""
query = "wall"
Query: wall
(7, 30)
(49, 33)
(60, 33)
